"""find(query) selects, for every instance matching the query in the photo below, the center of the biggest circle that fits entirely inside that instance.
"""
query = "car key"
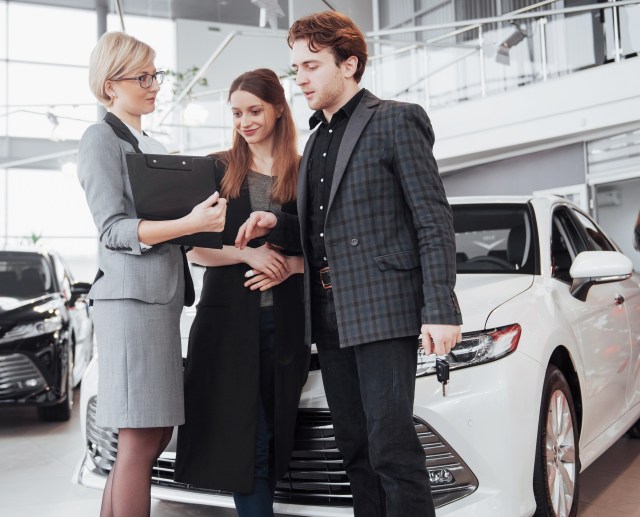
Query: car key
(442, 373)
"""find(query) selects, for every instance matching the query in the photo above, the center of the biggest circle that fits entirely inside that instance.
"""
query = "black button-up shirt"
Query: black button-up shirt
(322, 163)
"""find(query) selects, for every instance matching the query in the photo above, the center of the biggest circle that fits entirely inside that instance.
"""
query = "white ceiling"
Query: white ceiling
(241, 12)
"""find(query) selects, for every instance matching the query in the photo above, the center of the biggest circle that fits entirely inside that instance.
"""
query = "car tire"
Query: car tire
(634, 432)
(557, 463)
(60, 412)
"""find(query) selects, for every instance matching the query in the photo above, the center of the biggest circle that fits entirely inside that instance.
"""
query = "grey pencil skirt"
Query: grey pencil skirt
(139, 362)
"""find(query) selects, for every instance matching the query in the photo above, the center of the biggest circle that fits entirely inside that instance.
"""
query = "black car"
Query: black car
(46, 334)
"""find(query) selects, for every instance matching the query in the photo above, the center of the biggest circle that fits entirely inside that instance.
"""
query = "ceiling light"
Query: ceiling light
(518, 34)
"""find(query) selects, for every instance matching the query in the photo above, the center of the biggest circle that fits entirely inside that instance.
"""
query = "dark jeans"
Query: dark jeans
(370, 389)
(259, 503)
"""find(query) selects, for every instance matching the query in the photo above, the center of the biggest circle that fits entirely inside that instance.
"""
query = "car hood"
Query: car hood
(479, 294)
(12, 309)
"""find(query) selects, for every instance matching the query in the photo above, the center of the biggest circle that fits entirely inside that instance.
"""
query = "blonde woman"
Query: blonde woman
(142, 284)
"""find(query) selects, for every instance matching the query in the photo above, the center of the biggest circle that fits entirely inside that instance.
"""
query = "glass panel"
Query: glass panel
(4, 108)
(24, 275)
(69, 229)
(629, 24)
(53, 45)
(454, 70)
(71, 216)
(3, 31)
(42, 111)
(48, 84)
(4, 207)
(399, 72)
(159, 33)
(493, 239)
(561, 252)
(595, 238)
(508, 56)
(570, 43)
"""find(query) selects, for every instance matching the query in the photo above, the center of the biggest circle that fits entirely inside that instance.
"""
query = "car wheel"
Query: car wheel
(60, 412)
(557, 464)
(634, 432)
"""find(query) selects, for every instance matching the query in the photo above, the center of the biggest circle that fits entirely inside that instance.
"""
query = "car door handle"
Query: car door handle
(619, 299)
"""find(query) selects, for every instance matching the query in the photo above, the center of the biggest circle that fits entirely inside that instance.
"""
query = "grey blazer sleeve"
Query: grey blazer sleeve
(424, 193)
(102, 175)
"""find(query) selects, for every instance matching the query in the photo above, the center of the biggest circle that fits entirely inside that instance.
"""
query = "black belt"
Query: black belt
(323, 277)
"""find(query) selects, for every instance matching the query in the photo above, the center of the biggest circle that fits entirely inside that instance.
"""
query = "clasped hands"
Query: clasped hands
(269, 267)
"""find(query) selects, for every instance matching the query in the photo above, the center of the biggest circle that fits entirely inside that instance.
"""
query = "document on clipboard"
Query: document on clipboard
(167, 186)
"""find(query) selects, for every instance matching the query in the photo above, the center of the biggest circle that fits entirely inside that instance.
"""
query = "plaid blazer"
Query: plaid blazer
(389, 229)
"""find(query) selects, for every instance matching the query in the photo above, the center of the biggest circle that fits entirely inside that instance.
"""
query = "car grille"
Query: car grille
(19, 375)
(316, 475)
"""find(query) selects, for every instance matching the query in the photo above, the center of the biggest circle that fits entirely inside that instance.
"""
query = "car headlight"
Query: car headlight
(475, 348)
(33, 329)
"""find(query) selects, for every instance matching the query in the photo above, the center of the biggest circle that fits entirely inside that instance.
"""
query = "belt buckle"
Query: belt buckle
(325, 285)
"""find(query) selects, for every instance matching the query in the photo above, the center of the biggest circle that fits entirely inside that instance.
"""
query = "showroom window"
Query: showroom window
(3, 69)
(3, 30)
(64, 36)
(45, 96)
(160, 34)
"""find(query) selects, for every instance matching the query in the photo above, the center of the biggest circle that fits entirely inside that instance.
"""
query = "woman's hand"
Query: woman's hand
(264, 282)
(205, 217)
(267, 261)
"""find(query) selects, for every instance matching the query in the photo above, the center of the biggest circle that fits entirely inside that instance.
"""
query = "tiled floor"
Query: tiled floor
(37, 460)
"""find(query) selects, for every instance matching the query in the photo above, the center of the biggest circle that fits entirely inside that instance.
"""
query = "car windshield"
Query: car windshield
(493, 239)
(24, 275)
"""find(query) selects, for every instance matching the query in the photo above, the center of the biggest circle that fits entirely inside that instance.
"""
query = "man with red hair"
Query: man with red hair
(377, 234)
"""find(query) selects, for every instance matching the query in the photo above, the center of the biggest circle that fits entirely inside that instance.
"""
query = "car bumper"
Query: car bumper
(490, 417)
(492, 428)
(24, 383)
(86, 476)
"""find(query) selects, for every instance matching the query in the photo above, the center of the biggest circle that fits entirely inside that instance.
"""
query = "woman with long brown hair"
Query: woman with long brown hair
(247, 360)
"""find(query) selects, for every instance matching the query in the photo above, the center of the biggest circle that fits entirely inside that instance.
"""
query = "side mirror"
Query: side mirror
(78, 290)
(597, 267)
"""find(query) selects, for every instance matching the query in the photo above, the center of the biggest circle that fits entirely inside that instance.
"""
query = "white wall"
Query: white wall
(197, 40)
(575, 105)
(521, 175)
(618, 220)
(360, 11)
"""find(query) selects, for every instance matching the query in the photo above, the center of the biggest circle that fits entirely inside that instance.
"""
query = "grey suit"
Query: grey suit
(138, 295)
(149, 276)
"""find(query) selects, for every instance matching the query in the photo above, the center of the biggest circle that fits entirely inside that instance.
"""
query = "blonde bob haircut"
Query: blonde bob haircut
(116, 55)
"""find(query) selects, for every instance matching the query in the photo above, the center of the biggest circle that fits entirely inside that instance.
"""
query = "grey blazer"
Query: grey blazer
(388, 231)
(127, 272)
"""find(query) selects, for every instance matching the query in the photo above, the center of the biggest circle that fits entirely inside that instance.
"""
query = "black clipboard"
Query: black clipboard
(166, 186)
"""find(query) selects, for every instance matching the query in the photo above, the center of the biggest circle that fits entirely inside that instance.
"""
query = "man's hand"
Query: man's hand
(440, 339)
(259, 224)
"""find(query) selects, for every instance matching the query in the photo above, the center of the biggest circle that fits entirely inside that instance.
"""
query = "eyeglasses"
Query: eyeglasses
(145, 80)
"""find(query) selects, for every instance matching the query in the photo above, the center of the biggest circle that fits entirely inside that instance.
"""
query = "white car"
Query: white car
(545, 380)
